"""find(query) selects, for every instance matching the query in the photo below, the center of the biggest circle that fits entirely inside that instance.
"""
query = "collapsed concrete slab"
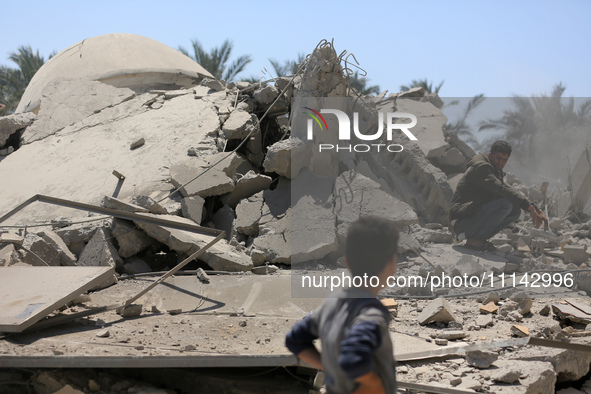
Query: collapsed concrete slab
(534, 377)
(67, 101)
(287, 157)
(221, 256)
(214, 182)
(12, 123)
(76, 236)
(39, 252)
(356, 195)
(430, 123)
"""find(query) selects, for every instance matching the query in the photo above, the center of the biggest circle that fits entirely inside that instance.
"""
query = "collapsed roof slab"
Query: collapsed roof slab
(28, 294)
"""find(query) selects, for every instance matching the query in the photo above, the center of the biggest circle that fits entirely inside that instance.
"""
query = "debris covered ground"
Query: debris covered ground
(228, 157)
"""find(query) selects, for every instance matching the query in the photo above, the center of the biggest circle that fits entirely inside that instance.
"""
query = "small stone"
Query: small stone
(103, 333)
(481, 359)
(242, 323)
(175, 311)
(189, 348)
(132, 310)
(139, 347)
(57, 352)
(455, 381)
(136, 144)
(441, 342)
(545, 311)
(515, 316)
(505, 375)
(489, 308)
(519, 331)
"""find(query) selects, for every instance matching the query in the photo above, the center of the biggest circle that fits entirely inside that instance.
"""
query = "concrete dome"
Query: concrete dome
(120, 60)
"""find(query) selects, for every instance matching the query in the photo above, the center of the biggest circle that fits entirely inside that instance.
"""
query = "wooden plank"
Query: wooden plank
(28, 294)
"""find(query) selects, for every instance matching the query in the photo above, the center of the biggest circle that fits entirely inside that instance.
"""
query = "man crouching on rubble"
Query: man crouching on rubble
(357, 355)
(483, 204)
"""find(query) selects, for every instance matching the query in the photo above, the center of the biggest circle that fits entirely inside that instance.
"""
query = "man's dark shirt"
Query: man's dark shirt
(482, 183)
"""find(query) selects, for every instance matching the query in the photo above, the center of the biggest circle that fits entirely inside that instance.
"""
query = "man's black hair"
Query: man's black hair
(501, 147)
(372, 241)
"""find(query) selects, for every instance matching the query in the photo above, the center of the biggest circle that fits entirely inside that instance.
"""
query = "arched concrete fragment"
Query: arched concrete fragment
(120, 60)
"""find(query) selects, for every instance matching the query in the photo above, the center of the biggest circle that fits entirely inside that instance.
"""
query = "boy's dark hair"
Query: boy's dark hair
(501, 147)
(372, 241)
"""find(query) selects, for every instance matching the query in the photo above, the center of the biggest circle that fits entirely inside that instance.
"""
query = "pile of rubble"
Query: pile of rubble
(231, 157)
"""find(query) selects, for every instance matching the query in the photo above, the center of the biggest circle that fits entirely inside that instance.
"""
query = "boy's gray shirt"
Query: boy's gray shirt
(332, 323)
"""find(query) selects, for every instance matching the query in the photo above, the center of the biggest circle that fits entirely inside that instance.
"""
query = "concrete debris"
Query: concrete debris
(224, 220)
(132, 310)
(481, 358)
(192, 208)
(437, 310)
(568, 365)
(214, 182)
(65, 256)
(135, 265)
(137, 143)
(489, 308)
(130, 239)
(248, 214)
(202, 276)
(287, 158)
(248, 185)
(221, 256)
(39, 252)
(519, 331)
(9, 255)
(575, 254)
(120, 205)
(150, 204)
(485, 320)
(450, 335)
(76, 236)
(239, 125)
(12, 123)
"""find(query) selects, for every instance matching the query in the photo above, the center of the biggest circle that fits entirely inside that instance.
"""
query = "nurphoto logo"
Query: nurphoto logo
(344, 130)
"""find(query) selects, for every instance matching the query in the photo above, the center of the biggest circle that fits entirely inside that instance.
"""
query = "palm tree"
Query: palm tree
(216, 60)
(422, 83)
(460, 126)
(14, 81)
(289, 67)
(544, 123)
(360, 84)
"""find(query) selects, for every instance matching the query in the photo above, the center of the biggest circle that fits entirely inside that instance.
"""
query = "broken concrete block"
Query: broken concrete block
(484, 320)
(135, 265)
(266, 94)
(8, 256)
(287, 158)
(11, 238)
(441, 341)
(430, 122)
(12, 123)
(437, 310)
(39, 252)
(519, 331)
(76, 236)
(536, 376)
(524, 303)
(450, 335)
(239, 124)
(202, 275)
(489, 308)
(214, 182)
(130, 239)
(481, 359)
(248, 185)
(223, 219)
(275, 241)
(104, 333)
(264, 270)
(229, 162)
(120, 205)
(221, 256)
(101, 252)
(150, 204)
(67, 258)
(575, 254)
(192, 208)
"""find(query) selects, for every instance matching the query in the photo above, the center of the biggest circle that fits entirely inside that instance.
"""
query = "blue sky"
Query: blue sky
(498, 48)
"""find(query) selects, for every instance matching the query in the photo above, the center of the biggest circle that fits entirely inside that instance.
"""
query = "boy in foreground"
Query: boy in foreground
(357, 355)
